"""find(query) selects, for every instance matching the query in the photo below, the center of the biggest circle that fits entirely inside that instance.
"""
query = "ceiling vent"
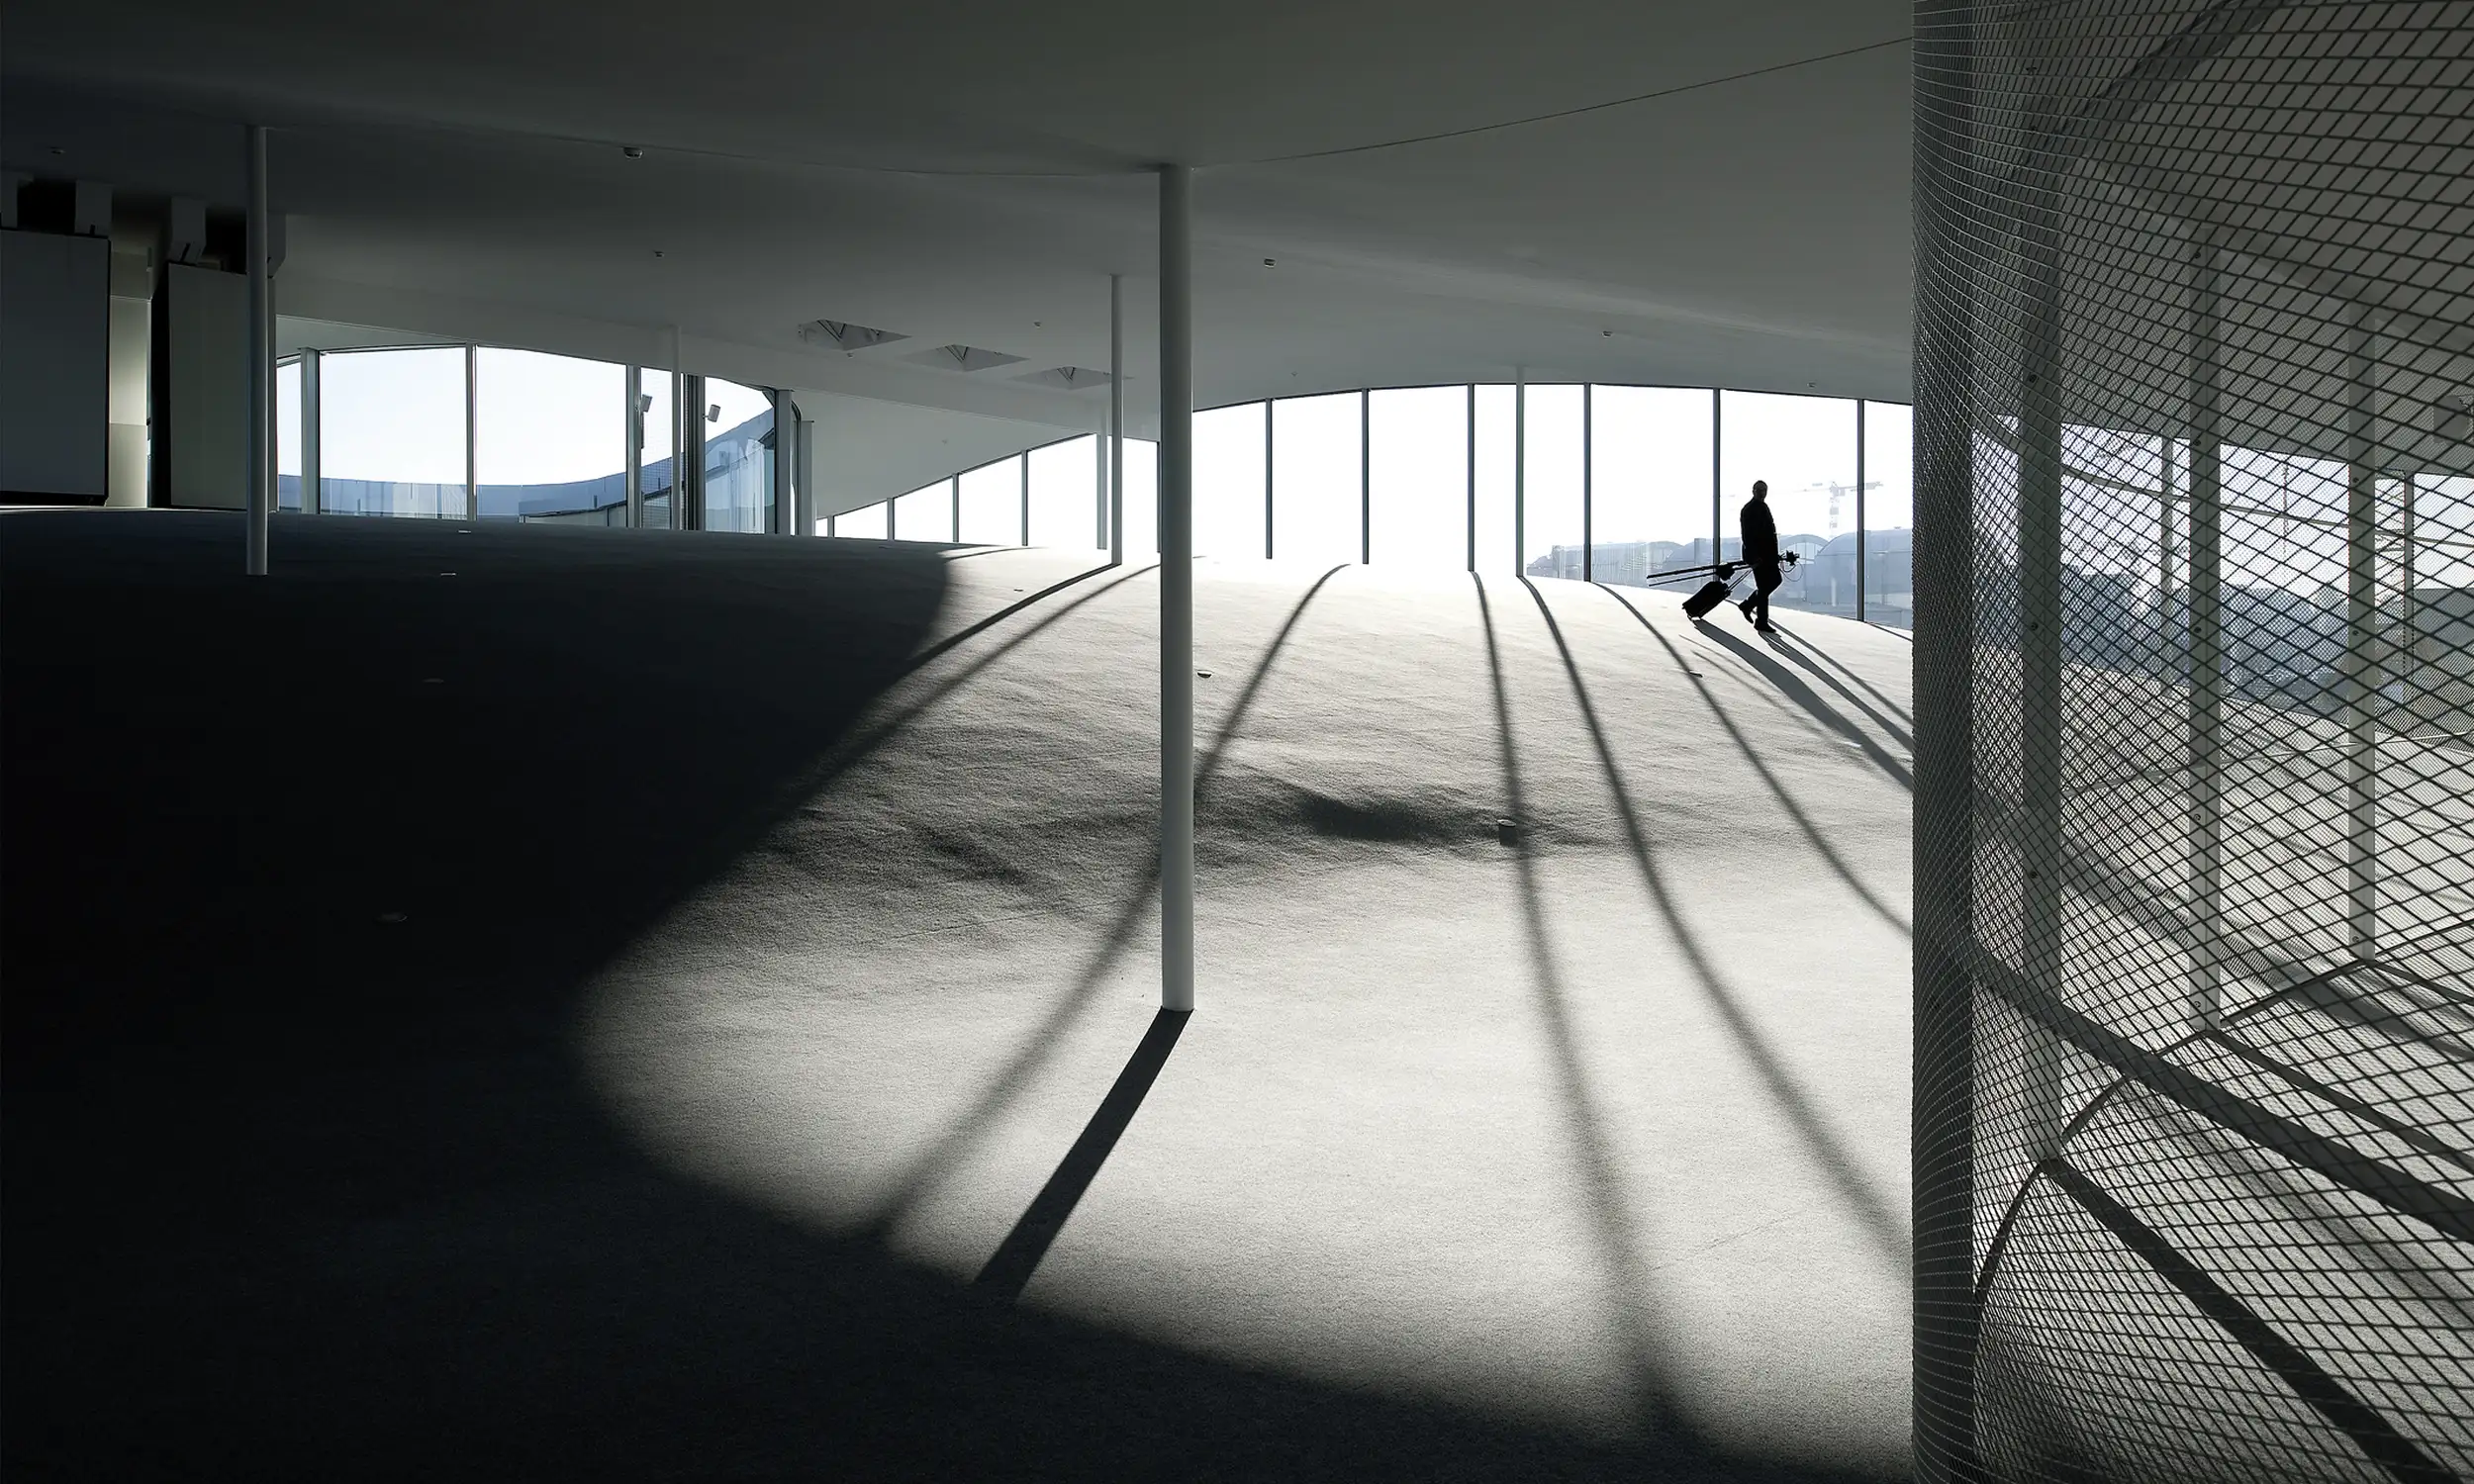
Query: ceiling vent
(1067, 378)
(846, 336)
(965, 359)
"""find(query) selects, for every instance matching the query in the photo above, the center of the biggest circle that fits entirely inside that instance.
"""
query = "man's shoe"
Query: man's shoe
(1764, 628)
(1747, 606)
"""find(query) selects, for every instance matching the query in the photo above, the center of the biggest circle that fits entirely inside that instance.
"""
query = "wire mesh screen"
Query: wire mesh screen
(2195, 813)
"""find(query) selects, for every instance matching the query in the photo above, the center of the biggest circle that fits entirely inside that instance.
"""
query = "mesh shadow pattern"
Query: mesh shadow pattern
(2194, 1099)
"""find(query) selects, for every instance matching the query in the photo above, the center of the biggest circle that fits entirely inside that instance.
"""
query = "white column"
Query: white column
(2362, 671)
(2206, 646)
(2041, 719)
(311, 459)
(1468, 529)
(784, 465)
(803, 473)
(1026, 497)
(1366, 476)
(1520, 470)
(1117, 419)
(260, 495)
(1177, 595)
(1588, 527)
(636, 445)
(472, 431)
(1862, 535)
(1270, 510)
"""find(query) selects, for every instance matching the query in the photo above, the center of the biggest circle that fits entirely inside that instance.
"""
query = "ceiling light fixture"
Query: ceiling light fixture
(1267, 263)
(632, 152)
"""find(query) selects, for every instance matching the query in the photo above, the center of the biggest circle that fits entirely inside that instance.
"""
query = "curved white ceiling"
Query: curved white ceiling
(1749, 226)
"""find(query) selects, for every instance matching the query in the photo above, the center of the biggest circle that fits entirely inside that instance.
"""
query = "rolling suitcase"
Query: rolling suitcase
(1713, 592)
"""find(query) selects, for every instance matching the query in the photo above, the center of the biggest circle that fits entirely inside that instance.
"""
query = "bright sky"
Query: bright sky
(1650, 480)
(399, 414)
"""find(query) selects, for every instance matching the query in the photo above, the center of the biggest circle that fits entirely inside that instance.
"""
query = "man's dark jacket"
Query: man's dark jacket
(1761, 533)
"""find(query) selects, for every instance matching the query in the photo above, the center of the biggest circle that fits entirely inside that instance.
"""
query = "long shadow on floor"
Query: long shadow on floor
(1794, 688)
(1647, 1359)
(1887, 1233)
(1033, 1050)
(304, 876)
(1812, 832)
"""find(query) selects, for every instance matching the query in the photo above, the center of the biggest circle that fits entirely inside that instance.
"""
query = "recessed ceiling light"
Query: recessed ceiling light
(632, 152)
(1268, 263)
(657, 252)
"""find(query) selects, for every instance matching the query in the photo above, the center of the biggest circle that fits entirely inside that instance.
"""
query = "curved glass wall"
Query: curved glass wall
(1616, 483)
(465, 431)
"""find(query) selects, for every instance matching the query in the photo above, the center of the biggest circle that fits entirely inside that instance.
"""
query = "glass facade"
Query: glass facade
(549, 438)
(391, 430)
(1651, 478)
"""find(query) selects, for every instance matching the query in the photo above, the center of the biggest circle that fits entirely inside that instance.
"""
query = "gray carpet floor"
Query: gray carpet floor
(683, 1007)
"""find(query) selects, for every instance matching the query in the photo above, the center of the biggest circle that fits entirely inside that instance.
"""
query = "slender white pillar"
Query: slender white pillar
(636, 445)
(1862, 535)
(1270, 417)
(472, 431)
(1177, 595)
(1520, 470)
(260, 498)
(311, 459)
(804, 472)
(1366, 476)
(2041, 720)
(953, 487)
(2206, 646)
(1469, 529)
(1117, 419)
(2363, 669)
(1026, 497)
(1588, 531)
(786, 465)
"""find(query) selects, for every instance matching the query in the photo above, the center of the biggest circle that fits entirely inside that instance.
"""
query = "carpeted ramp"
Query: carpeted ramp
(529, 1002)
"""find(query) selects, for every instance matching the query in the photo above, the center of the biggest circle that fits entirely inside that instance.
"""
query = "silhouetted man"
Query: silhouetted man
(1761, 553)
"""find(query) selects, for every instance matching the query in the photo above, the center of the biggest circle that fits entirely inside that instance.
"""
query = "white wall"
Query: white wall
(201, 444)
(55, 401)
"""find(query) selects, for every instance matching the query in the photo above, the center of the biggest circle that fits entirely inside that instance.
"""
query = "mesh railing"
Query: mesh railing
(2195, 813)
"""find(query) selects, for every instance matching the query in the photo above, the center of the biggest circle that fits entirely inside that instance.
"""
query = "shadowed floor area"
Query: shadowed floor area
(533, 1002)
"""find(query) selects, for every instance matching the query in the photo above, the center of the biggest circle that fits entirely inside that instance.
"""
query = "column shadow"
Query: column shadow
(1795, 812)
(1869, 688)
(1616, 1231)
(1880, 1223)
(1803, 695)
(1033, 1052)
(1010, 1270)
(1797, 652)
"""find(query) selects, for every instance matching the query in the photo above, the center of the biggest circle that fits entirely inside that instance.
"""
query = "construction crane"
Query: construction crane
(1839, 491)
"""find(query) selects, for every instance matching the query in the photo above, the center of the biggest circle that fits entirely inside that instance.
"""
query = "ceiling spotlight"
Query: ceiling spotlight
(657, 252)
(632, 152)
(1608, 333)
(1267, 263)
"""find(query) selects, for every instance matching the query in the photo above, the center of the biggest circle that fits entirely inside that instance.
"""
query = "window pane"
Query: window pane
(866, 523)
(1142, 500)
(1805, 447)
(391, 431)
(992, 504)
(1065, 510)
(1228, 482)
(1496, 553)
(552, 438)
(658, 401)
(1314, 459)
(738, 457)
(1889, 514)
(1649, 483)
(1551, 529)
(926, 513)
(1421, 477)
(288, 437)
